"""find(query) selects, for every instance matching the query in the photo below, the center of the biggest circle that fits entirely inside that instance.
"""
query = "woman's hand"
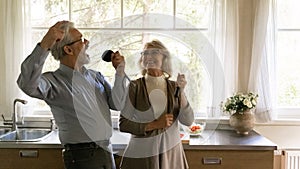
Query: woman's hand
(181, 82)
(164, 121)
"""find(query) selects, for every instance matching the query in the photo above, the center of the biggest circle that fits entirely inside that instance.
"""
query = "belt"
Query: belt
(98, 144)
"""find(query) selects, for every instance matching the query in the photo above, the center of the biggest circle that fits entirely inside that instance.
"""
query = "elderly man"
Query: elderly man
(80, 98)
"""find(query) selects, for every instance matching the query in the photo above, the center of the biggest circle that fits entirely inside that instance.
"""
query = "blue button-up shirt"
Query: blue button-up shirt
(80, 101)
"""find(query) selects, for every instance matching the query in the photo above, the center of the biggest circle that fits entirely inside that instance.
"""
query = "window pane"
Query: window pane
(134, 11)
(99, 14)
(195, 12)
(288, 14)
(44, 12)
(37, 36)
(288, 68)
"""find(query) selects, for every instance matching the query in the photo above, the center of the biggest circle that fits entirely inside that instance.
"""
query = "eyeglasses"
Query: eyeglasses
(151, 52)
(81, 39)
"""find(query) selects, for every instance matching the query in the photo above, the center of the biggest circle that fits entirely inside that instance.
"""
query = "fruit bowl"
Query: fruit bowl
(195, 129)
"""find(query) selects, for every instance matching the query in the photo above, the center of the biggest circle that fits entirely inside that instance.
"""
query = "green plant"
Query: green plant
(239, 102)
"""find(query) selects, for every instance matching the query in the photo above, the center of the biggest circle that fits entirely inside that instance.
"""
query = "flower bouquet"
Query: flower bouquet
(239, 102)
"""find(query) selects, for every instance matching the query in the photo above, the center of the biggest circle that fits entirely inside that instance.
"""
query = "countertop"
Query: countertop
(229, 140)
(208, 140)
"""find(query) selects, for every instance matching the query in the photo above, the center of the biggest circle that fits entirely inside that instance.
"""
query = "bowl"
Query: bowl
(195, 129)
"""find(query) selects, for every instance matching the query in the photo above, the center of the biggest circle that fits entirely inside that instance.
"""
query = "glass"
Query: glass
(150, 52)
(44, 13)
(81, 39)
(135, 14)
(288, 14)
(288, 69)
(96, 14)
(192, 14)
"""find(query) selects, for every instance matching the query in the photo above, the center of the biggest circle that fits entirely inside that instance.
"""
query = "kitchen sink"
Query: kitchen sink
(25, 135)
(4, 130)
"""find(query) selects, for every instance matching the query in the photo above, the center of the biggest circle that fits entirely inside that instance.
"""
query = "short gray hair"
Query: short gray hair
(57, 50)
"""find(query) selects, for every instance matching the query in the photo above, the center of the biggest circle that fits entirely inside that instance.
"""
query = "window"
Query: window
(125, 26)
(288, 55)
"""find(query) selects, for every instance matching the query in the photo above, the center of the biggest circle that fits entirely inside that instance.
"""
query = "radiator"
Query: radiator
(292, 159)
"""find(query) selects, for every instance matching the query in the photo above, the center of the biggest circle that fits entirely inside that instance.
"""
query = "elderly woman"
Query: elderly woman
(152, 114)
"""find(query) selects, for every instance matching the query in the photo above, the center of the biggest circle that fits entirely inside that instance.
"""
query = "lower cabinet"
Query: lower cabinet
(230, 159)
(31, 158)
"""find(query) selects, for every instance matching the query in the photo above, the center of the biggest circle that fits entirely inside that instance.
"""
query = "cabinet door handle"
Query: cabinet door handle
(212, 160)
(28, 153)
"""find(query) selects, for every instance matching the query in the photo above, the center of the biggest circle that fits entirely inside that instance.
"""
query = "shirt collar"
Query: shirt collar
(69, 71)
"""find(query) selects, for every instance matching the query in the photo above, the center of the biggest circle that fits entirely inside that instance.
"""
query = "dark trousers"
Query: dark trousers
(88, 156)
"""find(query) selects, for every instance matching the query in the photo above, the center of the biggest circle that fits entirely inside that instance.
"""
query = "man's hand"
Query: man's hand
(118, 63)
(53, 35)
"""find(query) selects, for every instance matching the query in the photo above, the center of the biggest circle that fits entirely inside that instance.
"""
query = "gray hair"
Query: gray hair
(57, 50)
(166, 62)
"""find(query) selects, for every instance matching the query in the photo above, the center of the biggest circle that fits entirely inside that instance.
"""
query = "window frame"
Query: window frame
(285, 113)
(280, 112)
(121, 28)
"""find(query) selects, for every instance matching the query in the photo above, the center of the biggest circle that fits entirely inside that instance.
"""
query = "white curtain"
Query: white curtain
(262, 78)
(243, 35)
(12, 31)
(224, 36)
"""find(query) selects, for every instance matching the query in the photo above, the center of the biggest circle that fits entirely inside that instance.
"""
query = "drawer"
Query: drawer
(229, 159)
(31, 159)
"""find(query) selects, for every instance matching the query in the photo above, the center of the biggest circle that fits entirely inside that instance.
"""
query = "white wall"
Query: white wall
(286, 136)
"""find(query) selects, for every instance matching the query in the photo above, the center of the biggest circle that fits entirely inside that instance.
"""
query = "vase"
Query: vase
(242, 122)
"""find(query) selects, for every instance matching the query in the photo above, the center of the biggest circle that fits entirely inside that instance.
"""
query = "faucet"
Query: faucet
(14, 122)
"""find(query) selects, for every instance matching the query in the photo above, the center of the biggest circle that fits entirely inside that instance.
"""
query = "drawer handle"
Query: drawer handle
(28, 153)
(212, 160)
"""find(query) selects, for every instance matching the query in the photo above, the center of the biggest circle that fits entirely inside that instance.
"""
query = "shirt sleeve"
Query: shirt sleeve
(186, 115)
(128, 122)
(30, 79)
(135, 128)
(119, 92)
